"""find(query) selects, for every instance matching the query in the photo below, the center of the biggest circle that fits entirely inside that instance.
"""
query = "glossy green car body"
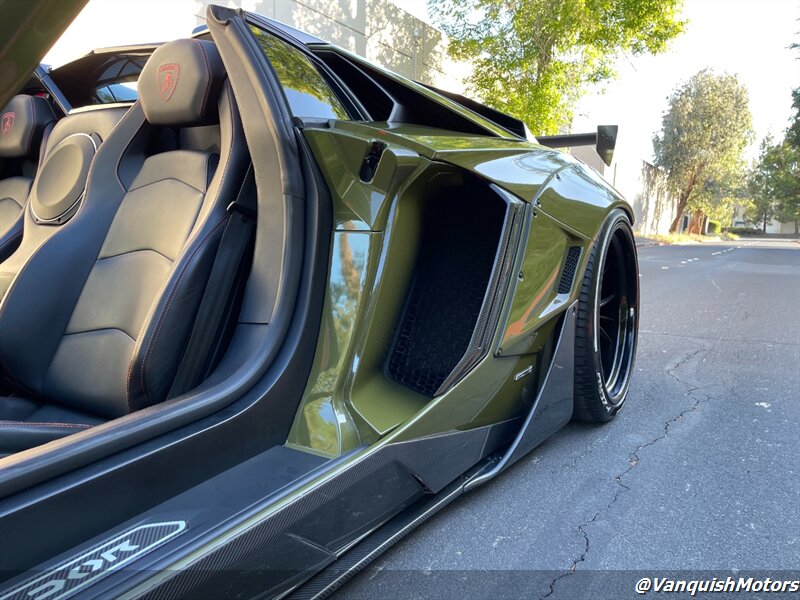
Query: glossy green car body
(562, 203)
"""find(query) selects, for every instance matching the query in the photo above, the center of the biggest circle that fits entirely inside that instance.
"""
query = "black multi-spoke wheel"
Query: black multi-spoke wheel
(607, 324)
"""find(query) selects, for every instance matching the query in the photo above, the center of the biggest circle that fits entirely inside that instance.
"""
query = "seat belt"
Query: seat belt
(219, 290)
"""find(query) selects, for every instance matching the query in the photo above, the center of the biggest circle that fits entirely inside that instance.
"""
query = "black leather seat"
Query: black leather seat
(23, 124)
(94, 325)
(55, 192)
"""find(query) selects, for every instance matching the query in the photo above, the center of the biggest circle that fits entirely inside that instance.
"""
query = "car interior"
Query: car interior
(111, 217)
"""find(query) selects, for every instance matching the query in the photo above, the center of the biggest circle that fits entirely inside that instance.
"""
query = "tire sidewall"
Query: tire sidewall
(611, 404)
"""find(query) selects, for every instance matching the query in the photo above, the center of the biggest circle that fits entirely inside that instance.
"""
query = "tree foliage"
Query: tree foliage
(762, 207)
(704, 132)
(774, 184)
(716, 198)
(789, 209)
(793, 132)
(534, 58)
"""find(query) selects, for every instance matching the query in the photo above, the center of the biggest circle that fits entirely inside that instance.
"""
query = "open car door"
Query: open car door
(27, 31)
(120, 507)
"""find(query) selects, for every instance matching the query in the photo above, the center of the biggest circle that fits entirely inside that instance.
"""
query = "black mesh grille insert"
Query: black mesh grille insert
(458, 247)
(568, 273)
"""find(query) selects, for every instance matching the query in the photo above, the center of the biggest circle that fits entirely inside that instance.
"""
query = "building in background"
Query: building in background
(378, 30)
(774, 227)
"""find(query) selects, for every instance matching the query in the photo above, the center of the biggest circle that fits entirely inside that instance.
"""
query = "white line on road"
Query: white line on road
(715, 285)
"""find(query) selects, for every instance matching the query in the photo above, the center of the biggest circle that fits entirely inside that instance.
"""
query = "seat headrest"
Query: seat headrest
(181, 82)
(22, 123)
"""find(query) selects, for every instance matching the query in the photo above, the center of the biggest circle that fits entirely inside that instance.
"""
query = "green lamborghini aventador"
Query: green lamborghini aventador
(265, 307)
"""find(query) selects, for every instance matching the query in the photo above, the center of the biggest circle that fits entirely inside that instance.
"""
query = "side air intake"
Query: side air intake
(461, 232)
(568, 272)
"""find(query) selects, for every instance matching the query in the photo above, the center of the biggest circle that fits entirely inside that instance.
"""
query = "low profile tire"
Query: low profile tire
(607, 325)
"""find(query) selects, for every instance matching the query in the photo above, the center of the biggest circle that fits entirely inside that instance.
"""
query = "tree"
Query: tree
(789, 209)
(775, 184)
(716, 199)
(793, 132)
(789, 187)
(762, 207)
(534, 58)
(704, 132)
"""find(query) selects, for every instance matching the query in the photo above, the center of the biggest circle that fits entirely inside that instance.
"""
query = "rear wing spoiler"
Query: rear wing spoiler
(604, 141)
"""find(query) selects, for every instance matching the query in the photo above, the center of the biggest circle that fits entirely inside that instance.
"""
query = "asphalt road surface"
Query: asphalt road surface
(699, 475)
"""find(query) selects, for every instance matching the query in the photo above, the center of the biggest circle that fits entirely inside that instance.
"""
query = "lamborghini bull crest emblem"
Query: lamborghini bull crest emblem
(168, 79)
(7, 122)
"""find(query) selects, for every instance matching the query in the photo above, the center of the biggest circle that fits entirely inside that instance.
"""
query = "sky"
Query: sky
(137, 25)
(749, 38)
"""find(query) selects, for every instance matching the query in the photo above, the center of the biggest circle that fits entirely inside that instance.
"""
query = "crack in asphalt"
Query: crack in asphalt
(633, 461)
(573, 464)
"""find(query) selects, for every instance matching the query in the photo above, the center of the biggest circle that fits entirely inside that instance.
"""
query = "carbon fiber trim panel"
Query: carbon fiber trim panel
(553, 406)
(354, 560)
(269, 550)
